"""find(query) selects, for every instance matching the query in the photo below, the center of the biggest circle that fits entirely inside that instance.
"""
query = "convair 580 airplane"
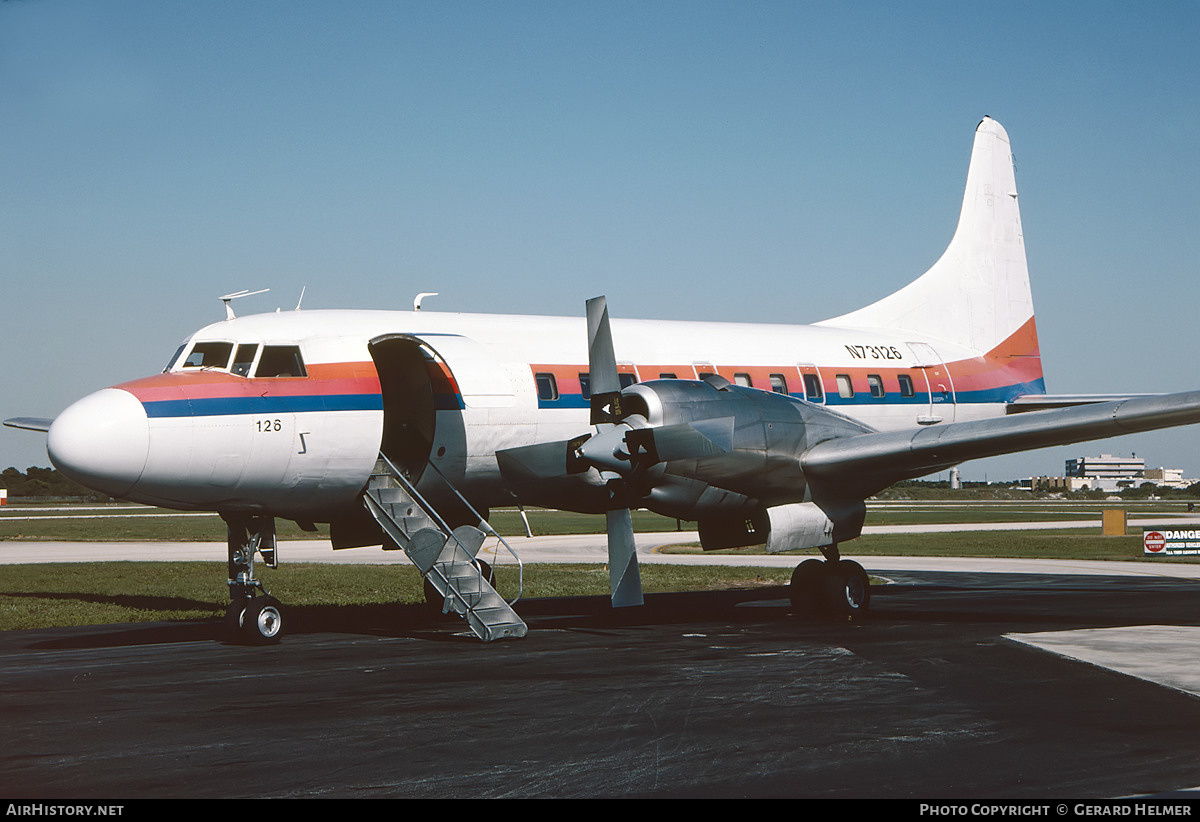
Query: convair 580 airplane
(403, 428)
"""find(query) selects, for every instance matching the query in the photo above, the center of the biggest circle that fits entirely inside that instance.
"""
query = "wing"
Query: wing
(863, 464)
(29, 423)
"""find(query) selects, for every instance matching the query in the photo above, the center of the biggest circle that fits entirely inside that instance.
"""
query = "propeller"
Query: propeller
(624, 579)
(623, 448)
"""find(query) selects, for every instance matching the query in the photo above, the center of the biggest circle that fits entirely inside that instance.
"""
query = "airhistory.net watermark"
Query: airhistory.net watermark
(47, 809)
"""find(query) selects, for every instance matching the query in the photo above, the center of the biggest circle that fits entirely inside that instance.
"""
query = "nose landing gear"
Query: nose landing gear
(253, 617)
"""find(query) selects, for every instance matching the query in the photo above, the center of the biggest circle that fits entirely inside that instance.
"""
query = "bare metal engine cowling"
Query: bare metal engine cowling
(786, 527)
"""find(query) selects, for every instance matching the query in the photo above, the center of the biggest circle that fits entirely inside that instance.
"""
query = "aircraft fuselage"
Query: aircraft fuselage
(285, 413)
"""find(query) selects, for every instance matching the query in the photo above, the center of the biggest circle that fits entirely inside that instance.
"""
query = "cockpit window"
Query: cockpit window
(209, 355)
(175, 358)
(244, 359)
(281, 361)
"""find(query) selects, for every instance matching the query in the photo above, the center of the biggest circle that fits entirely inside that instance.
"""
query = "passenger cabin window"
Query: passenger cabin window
(666, 375)
(209, 355)
(743, 380)
(281, 361)
(547, 388)
(875, 383)
(906, 386)
(585, 386)
(845, 387)
(779, 384)
(244, 359)
(812, 387)
(627, 379)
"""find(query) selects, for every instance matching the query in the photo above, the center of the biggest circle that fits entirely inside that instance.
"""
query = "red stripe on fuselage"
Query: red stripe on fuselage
(323, 378)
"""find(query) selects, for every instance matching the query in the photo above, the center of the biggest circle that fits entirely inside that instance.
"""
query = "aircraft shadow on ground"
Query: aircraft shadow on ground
(1008, 600)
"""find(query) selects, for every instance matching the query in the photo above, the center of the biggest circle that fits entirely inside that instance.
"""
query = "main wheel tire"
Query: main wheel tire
(847, 589)
(807, 586)
(262, 623)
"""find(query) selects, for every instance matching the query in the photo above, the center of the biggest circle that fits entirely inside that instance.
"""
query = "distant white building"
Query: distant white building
(1111, 474)
(1169, 477)
(1106, 466)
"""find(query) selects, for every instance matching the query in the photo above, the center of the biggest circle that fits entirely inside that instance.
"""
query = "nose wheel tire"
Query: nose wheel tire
(256, 621)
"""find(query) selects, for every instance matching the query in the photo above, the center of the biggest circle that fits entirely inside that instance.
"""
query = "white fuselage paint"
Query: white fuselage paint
(308, 463)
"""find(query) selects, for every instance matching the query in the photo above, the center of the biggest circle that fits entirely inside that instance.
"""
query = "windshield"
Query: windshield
(174, 358)
(209, 355)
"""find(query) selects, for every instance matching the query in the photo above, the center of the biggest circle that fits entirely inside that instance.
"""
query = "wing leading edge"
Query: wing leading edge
(866, 463)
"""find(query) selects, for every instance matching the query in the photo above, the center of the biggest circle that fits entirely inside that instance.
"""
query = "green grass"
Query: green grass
(63, 595)
(75, 594)
(1049, 544)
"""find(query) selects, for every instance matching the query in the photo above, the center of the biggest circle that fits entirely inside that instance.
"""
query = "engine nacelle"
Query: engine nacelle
(786, 527)
(757, 438)
(698, 450)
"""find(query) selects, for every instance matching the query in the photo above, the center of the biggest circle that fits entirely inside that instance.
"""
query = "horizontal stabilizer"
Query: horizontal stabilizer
(29, 423)
(862, 464)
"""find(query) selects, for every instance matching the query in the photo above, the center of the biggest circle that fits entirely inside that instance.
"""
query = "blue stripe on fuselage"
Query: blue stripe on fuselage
(220, 406)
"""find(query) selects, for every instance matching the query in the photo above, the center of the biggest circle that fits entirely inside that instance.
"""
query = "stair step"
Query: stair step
(446, 560)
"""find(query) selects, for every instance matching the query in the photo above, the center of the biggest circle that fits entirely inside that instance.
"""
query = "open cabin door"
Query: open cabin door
(409, 401)
(428, 381)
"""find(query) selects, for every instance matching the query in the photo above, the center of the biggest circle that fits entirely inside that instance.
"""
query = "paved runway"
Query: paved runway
(962, 684)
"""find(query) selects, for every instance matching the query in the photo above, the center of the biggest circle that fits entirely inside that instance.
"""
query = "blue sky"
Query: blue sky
(782, 162)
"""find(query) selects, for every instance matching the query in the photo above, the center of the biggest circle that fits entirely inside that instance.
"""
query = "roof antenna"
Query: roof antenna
(303, 288)
(421, 296)
(229, 298)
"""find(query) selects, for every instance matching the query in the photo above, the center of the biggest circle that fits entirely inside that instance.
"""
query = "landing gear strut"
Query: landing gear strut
(253, 616)
(835, 587)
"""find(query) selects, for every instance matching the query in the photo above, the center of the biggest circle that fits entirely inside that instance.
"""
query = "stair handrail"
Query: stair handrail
(483, 521)
(411, 488)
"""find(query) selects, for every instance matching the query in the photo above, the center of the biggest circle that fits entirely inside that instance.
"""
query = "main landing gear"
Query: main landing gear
(253, 616)
(834, 586)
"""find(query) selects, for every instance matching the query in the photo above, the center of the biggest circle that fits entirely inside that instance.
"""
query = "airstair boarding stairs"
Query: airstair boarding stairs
(445, 557)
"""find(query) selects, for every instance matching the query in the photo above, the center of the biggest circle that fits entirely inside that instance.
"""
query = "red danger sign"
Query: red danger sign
(1154, 541)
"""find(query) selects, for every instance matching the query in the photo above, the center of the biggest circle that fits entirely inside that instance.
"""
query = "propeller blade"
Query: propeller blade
(602, 365)
(623, 577)
(543, 460)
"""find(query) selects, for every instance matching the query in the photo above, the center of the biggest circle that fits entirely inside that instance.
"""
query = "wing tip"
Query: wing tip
(29, 423)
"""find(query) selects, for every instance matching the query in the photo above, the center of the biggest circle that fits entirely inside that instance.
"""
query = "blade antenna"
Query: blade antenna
(229, 298)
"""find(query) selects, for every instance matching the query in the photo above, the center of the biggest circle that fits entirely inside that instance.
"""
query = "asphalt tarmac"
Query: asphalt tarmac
(959, 684)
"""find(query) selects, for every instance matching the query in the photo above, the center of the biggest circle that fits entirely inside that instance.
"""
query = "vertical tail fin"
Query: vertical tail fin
(977, 294)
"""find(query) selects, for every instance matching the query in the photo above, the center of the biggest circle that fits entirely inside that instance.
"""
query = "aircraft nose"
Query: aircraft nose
(101, 441)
